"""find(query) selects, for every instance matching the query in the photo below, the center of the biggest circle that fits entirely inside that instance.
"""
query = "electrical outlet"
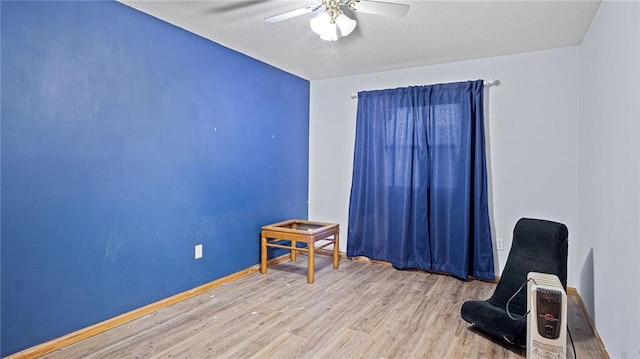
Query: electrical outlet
(198, 251)
(500, 244)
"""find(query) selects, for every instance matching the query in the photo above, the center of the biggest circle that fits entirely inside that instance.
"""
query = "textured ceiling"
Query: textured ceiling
(432, 32)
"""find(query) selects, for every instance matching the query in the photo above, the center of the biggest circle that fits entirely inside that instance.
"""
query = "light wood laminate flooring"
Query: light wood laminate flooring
(361, 310)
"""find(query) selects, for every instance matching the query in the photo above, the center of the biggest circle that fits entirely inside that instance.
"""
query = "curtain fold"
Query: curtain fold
(419, 187)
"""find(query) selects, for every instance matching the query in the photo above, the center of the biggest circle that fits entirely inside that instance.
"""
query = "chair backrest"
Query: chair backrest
(538, 246)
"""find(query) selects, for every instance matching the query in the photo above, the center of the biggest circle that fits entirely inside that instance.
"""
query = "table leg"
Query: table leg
(310, 263)
(336, 248)
(263, 254)
(293, 252)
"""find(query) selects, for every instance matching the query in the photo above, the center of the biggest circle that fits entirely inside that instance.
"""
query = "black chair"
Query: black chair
(538, 246)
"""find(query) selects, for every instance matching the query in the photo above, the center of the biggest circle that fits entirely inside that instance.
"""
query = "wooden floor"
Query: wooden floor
(361, 310)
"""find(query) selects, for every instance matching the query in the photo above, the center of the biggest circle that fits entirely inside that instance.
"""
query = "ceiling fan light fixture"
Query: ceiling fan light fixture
(325, 26)
(330, 33)
(345, 24)
(321, 23)
(332, 23)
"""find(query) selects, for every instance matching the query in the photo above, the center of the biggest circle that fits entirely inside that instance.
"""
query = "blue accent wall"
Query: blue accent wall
(126, 141)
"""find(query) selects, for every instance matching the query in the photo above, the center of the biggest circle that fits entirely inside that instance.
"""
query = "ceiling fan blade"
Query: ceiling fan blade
(381, 8)
(292, 13)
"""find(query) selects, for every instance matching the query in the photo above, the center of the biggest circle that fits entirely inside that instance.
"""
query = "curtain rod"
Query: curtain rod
(487, 83)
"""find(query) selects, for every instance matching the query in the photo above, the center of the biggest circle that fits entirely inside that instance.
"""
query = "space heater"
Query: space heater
(547, 317)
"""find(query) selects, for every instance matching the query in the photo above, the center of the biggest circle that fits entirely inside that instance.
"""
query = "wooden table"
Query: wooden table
(298, 230)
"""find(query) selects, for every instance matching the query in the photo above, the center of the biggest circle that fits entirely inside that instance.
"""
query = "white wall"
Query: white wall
(533, 137)
(609, 172)
(564, 140)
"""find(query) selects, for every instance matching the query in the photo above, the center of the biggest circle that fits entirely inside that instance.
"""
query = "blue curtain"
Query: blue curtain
(419, 190)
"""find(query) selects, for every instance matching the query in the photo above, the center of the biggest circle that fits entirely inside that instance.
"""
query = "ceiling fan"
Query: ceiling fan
(332, 23)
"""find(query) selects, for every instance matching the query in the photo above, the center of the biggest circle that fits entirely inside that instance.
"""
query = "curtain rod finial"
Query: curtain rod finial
(491, 82)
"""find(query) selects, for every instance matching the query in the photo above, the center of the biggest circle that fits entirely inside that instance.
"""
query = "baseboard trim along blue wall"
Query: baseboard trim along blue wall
(126, 141)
